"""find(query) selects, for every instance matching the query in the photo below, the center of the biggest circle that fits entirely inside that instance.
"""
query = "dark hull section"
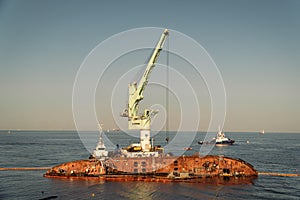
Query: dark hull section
(229, 142)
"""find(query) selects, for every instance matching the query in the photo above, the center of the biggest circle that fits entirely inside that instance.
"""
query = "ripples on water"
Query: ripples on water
(272, 152)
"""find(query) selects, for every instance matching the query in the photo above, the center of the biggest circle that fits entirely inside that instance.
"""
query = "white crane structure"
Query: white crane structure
(143, 121)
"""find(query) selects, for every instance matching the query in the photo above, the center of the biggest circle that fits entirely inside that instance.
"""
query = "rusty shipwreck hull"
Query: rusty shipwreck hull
(216, 180)
(158, 169)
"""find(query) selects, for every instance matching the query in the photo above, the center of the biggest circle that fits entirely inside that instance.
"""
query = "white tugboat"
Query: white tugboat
(100, 152)
(220, 140)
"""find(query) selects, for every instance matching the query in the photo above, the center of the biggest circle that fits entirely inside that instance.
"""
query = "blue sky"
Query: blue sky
(255, 45)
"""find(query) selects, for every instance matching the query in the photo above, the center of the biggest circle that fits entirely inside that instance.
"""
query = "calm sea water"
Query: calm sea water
(272, 152)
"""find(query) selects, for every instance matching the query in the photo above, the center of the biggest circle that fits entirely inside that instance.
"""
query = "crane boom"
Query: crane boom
(151, 63)
(136, 121)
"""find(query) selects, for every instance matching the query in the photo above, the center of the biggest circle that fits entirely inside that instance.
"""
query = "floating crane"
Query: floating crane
(144, 162)
(138, 121)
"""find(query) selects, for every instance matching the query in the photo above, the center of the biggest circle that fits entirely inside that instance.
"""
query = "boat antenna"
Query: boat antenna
(100, 127)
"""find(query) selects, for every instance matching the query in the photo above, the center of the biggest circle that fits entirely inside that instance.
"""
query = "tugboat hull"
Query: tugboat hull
(224, 143)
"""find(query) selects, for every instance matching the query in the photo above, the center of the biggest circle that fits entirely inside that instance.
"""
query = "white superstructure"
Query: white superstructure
(100, 152)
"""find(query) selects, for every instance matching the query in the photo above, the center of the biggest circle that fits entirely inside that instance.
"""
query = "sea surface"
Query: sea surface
(271, 152)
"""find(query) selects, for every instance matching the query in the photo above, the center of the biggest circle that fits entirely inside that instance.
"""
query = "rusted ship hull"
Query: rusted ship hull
(158, 178)
(159, 169)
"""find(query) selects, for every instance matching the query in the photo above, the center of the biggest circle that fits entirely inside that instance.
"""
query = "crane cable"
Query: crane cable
(167, 93)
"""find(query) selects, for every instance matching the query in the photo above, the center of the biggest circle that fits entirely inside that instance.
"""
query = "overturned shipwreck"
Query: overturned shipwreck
(158, 169)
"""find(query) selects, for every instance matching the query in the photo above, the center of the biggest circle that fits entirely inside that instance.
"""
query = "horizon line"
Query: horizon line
(111, 130)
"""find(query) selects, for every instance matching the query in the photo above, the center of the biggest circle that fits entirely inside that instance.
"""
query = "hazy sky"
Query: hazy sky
(255, 44)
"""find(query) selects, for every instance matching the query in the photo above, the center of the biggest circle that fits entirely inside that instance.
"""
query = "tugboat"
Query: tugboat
(220, 140)
(100, 151)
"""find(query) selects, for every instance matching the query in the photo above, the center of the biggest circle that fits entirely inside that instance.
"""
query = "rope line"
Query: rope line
(167, 92)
